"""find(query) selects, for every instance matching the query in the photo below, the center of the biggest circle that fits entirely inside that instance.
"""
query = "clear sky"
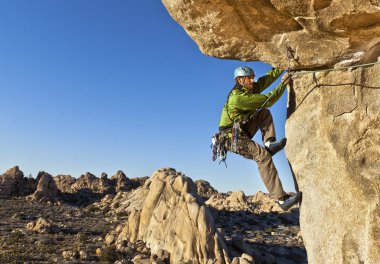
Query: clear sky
(102, 86)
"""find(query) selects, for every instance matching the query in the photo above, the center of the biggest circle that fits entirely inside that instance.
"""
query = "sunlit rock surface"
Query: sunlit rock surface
(321, 32)
(333, 125)
(47, 190)
(167, 214)
(333, 145)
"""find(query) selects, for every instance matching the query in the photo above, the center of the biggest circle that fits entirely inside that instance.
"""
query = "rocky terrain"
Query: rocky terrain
(164, 218)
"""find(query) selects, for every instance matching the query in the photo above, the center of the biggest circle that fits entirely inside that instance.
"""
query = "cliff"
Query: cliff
(333, 125)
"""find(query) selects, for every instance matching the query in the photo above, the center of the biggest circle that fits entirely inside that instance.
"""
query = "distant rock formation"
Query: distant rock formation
(64, 183)
(204, 189)
(167, 214)
(122, 183)
(47, 190)
(105, 183)
(87, 181)
(13, 183)
(265, 203)
(82, 191)
(333, 119)
(238, 201)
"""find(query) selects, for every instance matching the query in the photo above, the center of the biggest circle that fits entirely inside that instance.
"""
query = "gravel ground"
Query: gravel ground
(79, 230)
(268, 237)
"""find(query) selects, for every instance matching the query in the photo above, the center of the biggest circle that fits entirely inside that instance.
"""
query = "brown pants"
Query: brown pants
(249, 149)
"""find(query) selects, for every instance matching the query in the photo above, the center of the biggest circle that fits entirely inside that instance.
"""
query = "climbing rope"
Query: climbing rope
(335, 69)
(318, 84)
(290, 53)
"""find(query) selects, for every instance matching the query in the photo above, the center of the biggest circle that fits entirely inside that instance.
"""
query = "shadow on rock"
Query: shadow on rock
(82, 197)
(270, 237)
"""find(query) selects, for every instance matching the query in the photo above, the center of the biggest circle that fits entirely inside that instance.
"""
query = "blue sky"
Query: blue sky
(102, 86)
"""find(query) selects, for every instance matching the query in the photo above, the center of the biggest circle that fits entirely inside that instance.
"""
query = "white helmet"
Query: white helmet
(243, 71)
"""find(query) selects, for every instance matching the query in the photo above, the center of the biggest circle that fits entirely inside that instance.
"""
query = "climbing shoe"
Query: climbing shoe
(289, 200)
(274, 146)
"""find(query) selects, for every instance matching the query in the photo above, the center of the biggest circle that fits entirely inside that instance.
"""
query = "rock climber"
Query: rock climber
(244, 113)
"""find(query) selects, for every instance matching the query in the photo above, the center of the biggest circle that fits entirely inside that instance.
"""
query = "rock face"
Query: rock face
(265, 202)
(167, 214)
(13, 183)
(204, 189)
(47, 190)
(64, 183)
(87, 181)
(122, 182)
(236, 201)
(338, 167)
(333, 125)
(321, 32)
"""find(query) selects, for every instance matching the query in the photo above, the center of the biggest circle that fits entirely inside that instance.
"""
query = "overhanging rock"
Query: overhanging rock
(320, 32)
(333, 125)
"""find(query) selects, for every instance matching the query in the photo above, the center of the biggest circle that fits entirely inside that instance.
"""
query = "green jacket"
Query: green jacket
(241, 103)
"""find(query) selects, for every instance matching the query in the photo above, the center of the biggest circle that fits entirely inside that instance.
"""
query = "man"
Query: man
(244, 113)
